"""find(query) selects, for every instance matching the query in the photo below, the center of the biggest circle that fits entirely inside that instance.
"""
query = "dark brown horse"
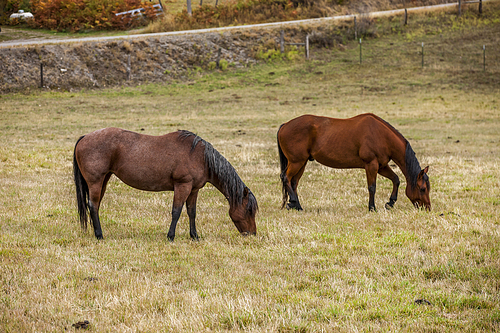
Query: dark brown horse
(180, 161)
(365, 141)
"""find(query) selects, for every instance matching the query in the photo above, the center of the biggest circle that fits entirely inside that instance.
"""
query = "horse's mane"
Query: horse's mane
(221, 168)
(412, 165)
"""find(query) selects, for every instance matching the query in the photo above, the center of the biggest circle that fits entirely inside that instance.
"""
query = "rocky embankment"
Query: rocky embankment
(73, 66)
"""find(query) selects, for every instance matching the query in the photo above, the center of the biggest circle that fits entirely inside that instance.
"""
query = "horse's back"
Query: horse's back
(338, 143)
(142, 161)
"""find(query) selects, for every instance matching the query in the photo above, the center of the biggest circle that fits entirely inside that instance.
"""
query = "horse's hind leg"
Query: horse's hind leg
(371, 177)
(293, 174)
(388, 173)
(96, 192)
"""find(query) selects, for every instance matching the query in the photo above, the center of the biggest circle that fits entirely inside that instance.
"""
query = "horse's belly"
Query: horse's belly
(340, 163)
(145, 180)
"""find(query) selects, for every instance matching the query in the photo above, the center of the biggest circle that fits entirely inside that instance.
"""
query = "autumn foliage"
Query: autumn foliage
(78, 15)
(240, 13)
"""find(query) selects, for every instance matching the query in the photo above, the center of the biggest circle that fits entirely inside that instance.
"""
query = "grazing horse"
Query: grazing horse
(364, 141)
(180, 161)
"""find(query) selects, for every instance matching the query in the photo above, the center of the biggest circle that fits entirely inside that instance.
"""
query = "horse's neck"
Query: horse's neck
(399, 157)
(214, 180)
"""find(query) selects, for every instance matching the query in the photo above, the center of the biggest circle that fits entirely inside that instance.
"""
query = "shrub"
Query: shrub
(241, 12)
(77, 15)
(223, 64)
(8, 7)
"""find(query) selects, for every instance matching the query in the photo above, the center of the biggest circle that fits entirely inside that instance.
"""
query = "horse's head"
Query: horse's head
(419, 194)
(243, 215)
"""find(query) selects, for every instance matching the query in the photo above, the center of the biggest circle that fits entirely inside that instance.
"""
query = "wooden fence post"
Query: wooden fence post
(480, 7)
(41, 75)
(355, 29)
(282, 42)
(422, 54)
(129, 69)
(307, 46)
(218, 58)
(484, 58)
(360, 58)
(459, 8)
(406, 16)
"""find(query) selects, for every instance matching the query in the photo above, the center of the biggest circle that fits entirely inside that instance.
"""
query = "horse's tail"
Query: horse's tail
(82, 190)
(283, 166)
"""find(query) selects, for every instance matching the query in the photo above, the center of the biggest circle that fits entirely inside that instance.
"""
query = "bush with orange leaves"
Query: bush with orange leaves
(79, 15)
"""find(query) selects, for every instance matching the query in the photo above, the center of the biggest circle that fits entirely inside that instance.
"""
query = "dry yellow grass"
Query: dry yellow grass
(332, 267)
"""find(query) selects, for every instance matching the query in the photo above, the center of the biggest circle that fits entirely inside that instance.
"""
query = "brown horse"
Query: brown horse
(180, 161)
(364, 141)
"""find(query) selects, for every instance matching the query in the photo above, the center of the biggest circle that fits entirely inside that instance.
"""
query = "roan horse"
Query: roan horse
(364, 141)
(180, 161)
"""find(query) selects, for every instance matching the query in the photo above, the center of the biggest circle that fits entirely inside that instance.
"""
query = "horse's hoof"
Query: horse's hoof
(372, 209)
(293, 206)
(170, 238)
(99, 237)
(388, 206)
(247, 233)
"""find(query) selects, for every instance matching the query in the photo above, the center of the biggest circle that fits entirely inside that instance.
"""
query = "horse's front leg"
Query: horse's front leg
(371, 177)
(388, 173)
(181, 193)
(191, 210)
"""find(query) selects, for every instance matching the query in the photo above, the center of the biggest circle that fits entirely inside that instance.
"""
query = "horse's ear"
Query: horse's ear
(245, 192)
(423, 172)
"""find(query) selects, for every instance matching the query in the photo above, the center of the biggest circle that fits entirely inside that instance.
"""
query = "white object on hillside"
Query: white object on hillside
(21, 15)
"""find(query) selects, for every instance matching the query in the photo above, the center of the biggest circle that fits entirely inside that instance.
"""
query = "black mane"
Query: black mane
(219, 167)
(412, 165)
(184, 134)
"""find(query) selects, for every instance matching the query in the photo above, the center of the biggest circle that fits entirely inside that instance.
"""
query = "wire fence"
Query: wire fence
(481, 54)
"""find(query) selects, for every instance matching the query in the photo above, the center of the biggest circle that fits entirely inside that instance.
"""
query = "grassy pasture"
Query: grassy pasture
(332, 267)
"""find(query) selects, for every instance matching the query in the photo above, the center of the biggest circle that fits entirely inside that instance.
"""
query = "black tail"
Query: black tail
(82, 190)
(283, 166)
